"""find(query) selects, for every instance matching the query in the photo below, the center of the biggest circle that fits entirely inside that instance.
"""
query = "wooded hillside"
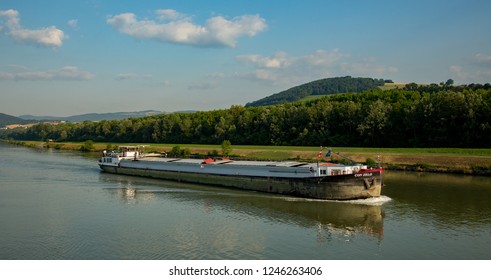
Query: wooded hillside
(8, 119)
(320, 87)
(418, 117)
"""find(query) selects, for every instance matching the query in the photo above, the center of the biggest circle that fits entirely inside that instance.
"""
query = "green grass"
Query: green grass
(285, 152)
(388, 86)
(276, 149)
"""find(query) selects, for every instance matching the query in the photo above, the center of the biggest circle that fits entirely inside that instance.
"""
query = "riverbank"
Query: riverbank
(441, 160)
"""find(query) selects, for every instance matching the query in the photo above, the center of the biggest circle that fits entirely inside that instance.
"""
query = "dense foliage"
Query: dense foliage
(448, 117)
(320, 87)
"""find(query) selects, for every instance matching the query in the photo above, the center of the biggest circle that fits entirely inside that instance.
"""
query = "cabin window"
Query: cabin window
(323, 172)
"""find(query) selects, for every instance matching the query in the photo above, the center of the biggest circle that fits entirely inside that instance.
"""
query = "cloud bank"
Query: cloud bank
(284, 69)
(173, 27)
(45, 37)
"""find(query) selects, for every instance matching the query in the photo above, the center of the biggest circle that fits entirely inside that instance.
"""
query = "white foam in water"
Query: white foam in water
(377, 201)
(371, 201)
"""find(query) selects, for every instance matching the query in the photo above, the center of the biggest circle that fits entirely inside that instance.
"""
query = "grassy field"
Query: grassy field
(458, 160)
(388, 86)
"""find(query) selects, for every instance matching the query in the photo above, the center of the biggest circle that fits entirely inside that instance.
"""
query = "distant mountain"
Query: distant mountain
(95, 116)
(8, 119)
(320, 87)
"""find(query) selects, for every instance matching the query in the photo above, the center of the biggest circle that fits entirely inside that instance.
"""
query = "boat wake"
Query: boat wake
(377, 201)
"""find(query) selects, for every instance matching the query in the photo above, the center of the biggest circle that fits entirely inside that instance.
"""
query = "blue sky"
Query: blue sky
(72, 57)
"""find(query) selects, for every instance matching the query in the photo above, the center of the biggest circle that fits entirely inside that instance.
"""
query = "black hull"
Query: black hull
(341, 187)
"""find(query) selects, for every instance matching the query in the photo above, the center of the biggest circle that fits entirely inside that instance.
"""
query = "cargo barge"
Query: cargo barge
(318, 180)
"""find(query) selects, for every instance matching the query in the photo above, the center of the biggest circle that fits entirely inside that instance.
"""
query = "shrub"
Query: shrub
(176, 151)
(110, 147)
(370, 162)
(226, 147)
(87, 146)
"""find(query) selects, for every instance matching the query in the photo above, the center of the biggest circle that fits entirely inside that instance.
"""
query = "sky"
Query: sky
(63, 58)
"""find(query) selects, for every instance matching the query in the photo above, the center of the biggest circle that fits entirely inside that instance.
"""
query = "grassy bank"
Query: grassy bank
(451, 160)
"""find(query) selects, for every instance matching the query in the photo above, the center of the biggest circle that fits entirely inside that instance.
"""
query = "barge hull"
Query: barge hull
(342, 187)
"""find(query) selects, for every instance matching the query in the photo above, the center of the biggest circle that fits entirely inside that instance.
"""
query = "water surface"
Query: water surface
(59, 205)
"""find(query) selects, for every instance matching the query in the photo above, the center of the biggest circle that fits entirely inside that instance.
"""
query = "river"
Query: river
(59, 205)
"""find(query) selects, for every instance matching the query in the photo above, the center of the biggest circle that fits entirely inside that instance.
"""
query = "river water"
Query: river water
(59, 205)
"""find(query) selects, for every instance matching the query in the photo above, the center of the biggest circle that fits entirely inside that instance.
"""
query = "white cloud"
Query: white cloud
(366, 68)
(324, 58)
(65, 73)
(170, 15)
(12, 16)
(203, 86)
(265, 75)
(282, 60)
(279, 60)
(19, 67)
(216, 75)
(126, 76)
(73, 23)
(456, 69)
(476, 70)
(174, 27)
(132, 76)
(284, 69)
(470, 76)
(483, 59)
(46, 36)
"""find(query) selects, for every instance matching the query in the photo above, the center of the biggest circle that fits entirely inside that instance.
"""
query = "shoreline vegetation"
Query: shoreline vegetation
(437, 160)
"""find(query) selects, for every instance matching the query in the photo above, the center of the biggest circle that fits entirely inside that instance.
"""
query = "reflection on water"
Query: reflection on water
(330, 217)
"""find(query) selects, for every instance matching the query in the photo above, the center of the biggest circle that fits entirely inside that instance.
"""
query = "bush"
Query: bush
(178, 152)
(59, 146)
(110, 147)
(87, 146)
(370, 162)
(226, 147)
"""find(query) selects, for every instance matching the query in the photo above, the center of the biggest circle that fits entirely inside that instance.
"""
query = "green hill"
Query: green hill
(320, 87)
(8, 119)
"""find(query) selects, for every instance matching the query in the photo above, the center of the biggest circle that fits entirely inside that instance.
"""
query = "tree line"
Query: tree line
(407, 117)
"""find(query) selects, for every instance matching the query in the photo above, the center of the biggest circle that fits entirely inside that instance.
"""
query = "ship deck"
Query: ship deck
(230, 162)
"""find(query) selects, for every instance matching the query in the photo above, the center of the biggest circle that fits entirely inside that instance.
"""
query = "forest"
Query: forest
(320, 87)
(414, 116)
